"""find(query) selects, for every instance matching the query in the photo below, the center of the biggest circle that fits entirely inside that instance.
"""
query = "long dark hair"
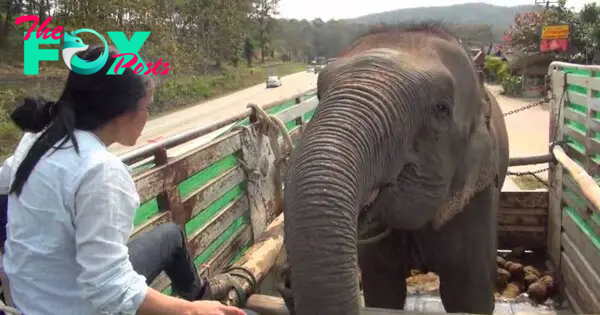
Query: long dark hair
(87, 103)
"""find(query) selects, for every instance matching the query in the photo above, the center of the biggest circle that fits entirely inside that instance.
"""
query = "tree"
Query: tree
(589, 30)
(263, 13)
(248, 51)
(523, 34)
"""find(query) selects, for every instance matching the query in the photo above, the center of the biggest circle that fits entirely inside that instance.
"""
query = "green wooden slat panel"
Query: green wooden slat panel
(150, 208)
(580, 128)
(583, 226)
(201, 178)
(199, 220)
(223, 239)
(240, 253)
(308, 115)
(145, 212)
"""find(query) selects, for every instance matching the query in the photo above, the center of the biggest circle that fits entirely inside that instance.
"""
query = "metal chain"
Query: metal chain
(532, 105)
(533, 174)
(530, 173)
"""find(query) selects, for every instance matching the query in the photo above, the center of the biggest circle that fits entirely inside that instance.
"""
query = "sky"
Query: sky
(342, 9)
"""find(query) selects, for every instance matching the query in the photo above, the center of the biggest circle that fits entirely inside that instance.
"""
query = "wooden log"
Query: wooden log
(586, 183)
(267, 305)
(258, 260)
(530, 160)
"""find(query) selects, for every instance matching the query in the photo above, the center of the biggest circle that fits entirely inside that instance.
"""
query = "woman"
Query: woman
(71, 205)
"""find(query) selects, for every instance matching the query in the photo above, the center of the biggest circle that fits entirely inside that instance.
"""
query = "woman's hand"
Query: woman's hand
(213, 308)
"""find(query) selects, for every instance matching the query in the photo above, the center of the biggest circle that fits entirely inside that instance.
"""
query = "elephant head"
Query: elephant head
(402, 113)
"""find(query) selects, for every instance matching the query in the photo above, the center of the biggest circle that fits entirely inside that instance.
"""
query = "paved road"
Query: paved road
(197, 115)
(527, 130)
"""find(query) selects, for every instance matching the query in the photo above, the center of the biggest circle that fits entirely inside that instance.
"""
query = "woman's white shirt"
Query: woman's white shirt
(66, 241)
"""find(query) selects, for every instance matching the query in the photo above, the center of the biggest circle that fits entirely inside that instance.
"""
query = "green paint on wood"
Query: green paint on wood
(146, 211)
(584, 227)
(150, 208)
(240, 223)
(199, 220)
(203, 177)
(241, 253)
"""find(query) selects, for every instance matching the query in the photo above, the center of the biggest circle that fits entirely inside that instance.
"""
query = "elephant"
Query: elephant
(402, 164)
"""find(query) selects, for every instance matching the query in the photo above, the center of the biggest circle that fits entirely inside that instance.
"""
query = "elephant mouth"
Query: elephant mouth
(370, 227)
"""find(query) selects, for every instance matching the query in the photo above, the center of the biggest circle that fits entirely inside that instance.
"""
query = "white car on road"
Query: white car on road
(273, 81)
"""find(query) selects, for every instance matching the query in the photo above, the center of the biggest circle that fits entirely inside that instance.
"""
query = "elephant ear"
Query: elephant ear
(477, 171)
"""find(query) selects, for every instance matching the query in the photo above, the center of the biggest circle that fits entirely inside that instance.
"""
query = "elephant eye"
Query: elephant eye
(442, 107)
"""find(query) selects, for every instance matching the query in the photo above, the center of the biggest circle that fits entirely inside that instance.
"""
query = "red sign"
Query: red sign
(556, 45)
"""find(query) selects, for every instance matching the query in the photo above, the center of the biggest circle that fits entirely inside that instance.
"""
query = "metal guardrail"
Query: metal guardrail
(148, 151)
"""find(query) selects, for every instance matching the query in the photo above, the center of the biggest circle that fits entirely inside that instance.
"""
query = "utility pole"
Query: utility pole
(546, 3)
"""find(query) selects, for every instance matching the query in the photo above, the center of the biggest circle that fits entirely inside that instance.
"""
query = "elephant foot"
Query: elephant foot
(284, 285)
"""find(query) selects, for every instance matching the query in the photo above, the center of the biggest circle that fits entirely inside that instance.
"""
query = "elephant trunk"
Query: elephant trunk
(332, 173)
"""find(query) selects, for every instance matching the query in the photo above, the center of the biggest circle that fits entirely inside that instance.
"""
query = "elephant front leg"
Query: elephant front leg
(383, 268)
(463, 254)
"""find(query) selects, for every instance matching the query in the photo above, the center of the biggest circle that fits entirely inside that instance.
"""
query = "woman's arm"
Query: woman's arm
(105, 203)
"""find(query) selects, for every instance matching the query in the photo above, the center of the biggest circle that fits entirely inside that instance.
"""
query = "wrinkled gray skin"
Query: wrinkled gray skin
(407, 116)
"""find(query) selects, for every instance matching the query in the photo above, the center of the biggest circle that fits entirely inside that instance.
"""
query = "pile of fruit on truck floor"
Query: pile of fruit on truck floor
(517, 276)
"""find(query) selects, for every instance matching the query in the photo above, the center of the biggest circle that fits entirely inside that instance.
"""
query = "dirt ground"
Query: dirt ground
(528, 133)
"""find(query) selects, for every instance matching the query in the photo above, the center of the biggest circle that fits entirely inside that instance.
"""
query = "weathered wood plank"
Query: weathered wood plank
(160, 218)
(577, 285)
(524, 199)
(226, 253)
(594, 125)
(201, 239)
(298, 110)
(573, 115)
(521, 228)
(259, 259)
(157, 180)
(574, 153)
(591, 82)
(522, 220)
(587, 185)
(572, 302)
(161, 282)
(513, 238)
(589, 134)
(555, 133)
(542, 212)
(583, 242)
(265, 195)
(581, 209)
(590, 276)
(576, 98)
(204, 196)
(576, 135)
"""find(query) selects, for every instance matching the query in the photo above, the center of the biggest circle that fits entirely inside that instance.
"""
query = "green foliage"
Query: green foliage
(496, 67)
(512, 85)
